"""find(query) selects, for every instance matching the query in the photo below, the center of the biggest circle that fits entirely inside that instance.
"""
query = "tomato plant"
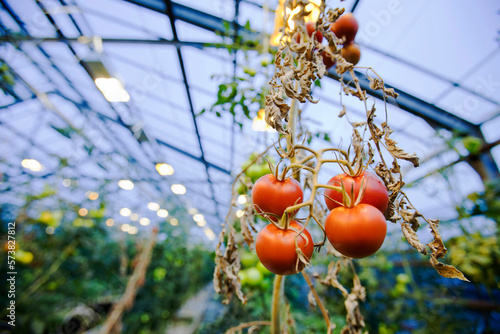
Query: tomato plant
(276, 249)
(375, 193)
(351, 53)
(271, 197)
(356, 232)
(346, 28)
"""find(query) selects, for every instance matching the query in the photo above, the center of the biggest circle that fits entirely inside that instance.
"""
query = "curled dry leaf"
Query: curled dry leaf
(446, 270)
(437, 246)
(398, 152)
(247, 225)
(378, 84)
(342, 112)
(227, 266)
(331, 277)
(412, 238)
(277, 111)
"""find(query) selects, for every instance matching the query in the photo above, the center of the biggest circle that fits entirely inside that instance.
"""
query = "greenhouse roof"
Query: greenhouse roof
(442, 57)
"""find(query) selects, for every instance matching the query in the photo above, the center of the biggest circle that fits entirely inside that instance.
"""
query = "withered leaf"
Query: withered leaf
(412, 238)
(437, 246)
(398, 152)
(446, 270)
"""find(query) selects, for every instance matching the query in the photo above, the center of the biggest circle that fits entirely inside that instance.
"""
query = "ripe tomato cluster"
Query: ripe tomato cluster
(277, 247)
(355, 227)
(357, 230)
(345, 28)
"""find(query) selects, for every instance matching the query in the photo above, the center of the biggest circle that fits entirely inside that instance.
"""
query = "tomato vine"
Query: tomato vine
(299, 65)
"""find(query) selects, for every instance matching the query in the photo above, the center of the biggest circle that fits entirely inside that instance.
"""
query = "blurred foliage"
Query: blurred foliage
(71, 269)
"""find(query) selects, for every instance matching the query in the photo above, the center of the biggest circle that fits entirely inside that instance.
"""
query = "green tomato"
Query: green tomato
(403, 278)
(254, 277)
(472, 144)
(254, 172)
(250, 71)
(243, 277)
(248, 259)
(24, 257)
(241, 188)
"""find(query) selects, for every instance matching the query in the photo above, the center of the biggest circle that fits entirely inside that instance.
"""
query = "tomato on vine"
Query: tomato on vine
(356, 232)
(375, 192)
(276, 249)
(311, 28)
(346, 27)
(271, 197)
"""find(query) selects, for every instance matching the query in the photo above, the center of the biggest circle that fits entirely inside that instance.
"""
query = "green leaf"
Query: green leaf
(201, 112)
(317, 83)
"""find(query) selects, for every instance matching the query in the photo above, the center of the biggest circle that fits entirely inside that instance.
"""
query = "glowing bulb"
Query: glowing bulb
(239, 213)
(153, 206)
(178, 189)
(50, 230)
(144, 221)
(32, 165)
(125, 212)
(164, 169)
(112, 89)
(134, 217)
(83, 212)
(242, 199)
(110, 222)
(92, 195)
(174, 222)
(126, 184)
(198, 217)
(162, 213)
(259, 123)
(133, 230)
(125, 227)
(66, 182)
(201, 223)
(209, 233)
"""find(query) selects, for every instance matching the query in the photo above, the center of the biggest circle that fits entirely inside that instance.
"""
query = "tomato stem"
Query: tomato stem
(278, 288)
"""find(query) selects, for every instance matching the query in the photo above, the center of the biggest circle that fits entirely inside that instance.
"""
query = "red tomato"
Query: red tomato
(328, 59)
(375, 194)
(311, 27)
(351, 53)
(356, 232)
(272, 197)
(275, 248)
(346, 27)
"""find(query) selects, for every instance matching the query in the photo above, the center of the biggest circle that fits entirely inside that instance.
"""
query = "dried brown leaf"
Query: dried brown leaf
(331, 277)
(412, 238)
(437, 246)
(446, 270)
(398, 152)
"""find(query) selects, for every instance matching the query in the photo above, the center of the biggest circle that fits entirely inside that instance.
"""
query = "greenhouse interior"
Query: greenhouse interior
(249, 166)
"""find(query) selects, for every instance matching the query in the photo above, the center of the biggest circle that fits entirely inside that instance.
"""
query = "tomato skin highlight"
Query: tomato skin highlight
(356, 232)
(345, 27)
(272, 196)
(275, 248)
(376, 193)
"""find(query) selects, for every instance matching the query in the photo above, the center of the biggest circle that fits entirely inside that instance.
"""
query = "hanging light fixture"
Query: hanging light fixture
(110, 87)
